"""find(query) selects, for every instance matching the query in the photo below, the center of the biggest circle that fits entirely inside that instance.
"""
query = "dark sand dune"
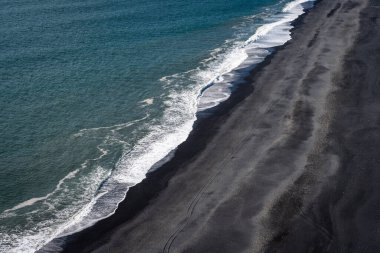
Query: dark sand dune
(294, 167)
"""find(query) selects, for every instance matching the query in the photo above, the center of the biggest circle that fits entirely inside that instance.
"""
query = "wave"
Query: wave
(32, 201)
(63, 207)
(245, 55)
(188, 93)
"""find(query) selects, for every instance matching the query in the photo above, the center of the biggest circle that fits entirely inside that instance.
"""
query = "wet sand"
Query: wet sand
(291, 163)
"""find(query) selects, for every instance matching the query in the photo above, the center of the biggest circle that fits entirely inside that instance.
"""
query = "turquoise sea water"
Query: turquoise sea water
(93, 93)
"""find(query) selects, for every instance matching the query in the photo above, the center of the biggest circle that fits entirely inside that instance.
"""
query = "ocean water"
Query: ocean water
(95, 93)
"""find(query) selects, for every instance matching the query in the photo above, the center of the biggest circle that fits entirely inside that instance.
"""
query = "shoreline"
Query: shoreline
(204, 128)
(214, 134)
(266, 46)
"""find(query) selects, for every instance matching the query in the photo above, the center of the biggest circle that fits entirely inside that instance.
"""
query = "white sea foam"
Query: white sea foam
(113, 128)
(34, 238)
(247, 53)
(294, 5)
(148, 101)
(178, 121)
(32, 201)
(131, 169)
(28, 202)
(211, 84)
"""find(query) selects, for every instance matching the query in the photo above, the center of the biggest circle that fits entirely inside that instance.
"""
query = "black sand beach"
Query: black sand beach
(291, 163)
